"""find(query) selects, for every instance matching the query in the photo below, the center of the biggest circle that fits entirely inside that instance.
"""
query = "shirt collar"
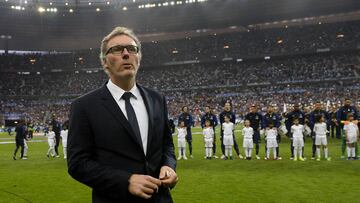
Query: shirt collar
(117, 92)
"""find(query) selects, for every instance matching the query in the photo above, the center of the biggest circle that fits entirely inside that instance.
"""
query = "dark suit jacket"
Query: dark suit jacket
(103, 151)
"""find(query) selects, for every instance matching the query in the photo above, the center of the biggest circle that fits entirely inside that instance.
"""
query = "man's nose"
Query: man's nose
(125, 54)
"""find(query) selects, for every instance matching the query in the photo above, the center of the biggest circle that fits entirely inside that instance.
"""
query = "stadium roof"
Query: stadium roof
(35, 24)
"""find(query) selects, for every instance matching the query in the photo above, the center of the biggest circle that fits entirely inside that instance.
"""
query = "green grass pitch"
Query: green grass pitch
(40, 179)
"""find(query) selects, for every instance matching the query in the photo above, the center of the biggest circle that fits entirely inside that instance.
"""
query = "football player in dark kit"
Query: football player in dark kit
(333, 122)
(295, 114)
(272, 117)
(213, 122)
(255, 119)
(317, 113)
(56, 126)
(341, 117)
(19, 139)
(188, 120)
(227, 112)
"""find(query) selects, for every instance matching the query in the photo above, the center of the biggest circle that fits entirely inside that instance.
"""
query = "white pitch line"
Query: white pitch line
(13, 142)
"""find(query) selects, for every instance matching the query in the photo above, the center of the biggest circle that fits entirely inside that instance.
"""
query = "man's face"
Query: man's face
(270, 109)
(351, 118)
(306, 110)
(121, 66)
(252, 109)
(334, 108)
(318, 106)
(347, 102)
(185, 109)
(227, 107)
(207, 109)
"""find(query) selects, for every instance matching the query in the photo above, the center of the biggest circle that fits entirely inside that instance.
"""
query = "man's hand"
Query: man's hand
(168, 176)
(143, 186)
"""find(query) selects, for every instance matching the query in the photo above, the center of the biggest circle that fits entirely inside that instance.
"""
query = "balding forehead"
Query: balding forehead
(121, 40)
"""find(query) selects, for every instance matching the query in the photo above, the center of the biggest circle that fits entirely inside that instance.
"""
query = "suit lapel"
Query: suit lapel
(149, 103)
(111, 105)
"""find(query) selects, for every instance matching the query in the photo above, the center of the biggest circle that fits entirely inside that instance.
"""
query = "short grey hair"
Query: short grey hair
(117, 31)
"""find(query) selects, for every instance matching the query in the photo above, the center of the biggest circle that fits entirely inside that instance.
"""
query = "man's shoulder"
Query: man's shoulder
(151, 92)
(90, 96)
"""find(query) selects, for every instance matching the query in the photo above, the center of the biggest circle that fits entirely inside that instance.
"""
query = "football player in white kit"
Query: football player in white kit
(352, 135)
(51, 142)
(26, 148)
(248, 143)
(208, 133)
(320, 130)
(228, 128)
(182, 140)
(64, 136)
(271, 141)
(298, 139)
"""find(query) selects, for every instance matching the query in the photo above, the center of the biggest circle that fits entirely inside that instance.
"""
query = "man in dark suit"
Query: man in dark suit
(119, 140)
(56, 126)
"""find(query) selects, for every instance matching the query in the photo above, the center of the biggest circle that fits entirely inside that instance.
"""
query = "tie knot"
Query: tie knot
(126, 96)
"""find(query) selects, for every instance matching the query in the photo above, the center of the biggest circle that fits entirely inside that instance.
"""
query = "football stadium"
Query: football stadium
(180, 101)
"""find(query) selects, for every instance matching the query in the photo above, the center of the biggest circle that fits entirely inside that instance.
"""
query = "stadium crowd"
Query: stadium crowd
(35, 84)
(180, 77)
(253, 43)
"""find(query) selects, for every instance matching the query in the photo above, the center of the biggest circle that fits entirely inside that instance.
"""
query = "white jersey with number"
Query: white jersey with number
(208, 136)
(181, 137)
(248, 133)
(351, 130)
(228, 138)
(51, 139)
(298, 131)
(320, 129)
(228, 128)
(208, 133)
(64, 136)
(271, 135)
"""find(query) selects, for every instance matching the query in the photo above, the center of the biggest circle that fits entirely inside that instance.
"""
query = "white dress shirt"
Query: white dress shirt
(138, 105)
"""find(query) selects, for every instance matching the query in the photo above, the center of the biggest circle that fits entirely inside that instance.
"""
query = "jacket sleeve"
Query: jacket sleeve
(356, 114)
(278, 121)
(312, 120)
(263, 122)
(81, 163)
(338, 115)
(168, 145)
(191, 120)
(233, 119)
(202, 121)
(221, 118)
(215, 121)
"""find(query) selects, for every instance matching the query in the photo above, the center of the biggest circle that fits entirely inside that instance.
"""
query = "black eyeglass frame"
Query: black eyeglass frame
(132, 49)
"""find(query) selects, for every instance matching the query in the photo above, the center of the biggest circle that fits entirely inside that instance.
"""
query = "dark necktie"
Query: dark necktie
(131, 115)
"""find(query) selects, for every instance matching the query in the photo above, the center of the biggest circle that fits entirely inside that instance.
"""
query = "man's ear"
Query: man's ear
(105, 66)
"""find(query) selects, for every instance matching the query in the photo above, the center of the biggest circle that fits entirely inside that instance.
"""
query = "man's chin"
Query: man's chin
(126, 76)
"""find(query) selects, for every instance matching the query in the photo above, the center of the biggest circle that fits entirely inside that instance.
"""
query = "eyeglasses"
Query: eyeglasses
(119, 49)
